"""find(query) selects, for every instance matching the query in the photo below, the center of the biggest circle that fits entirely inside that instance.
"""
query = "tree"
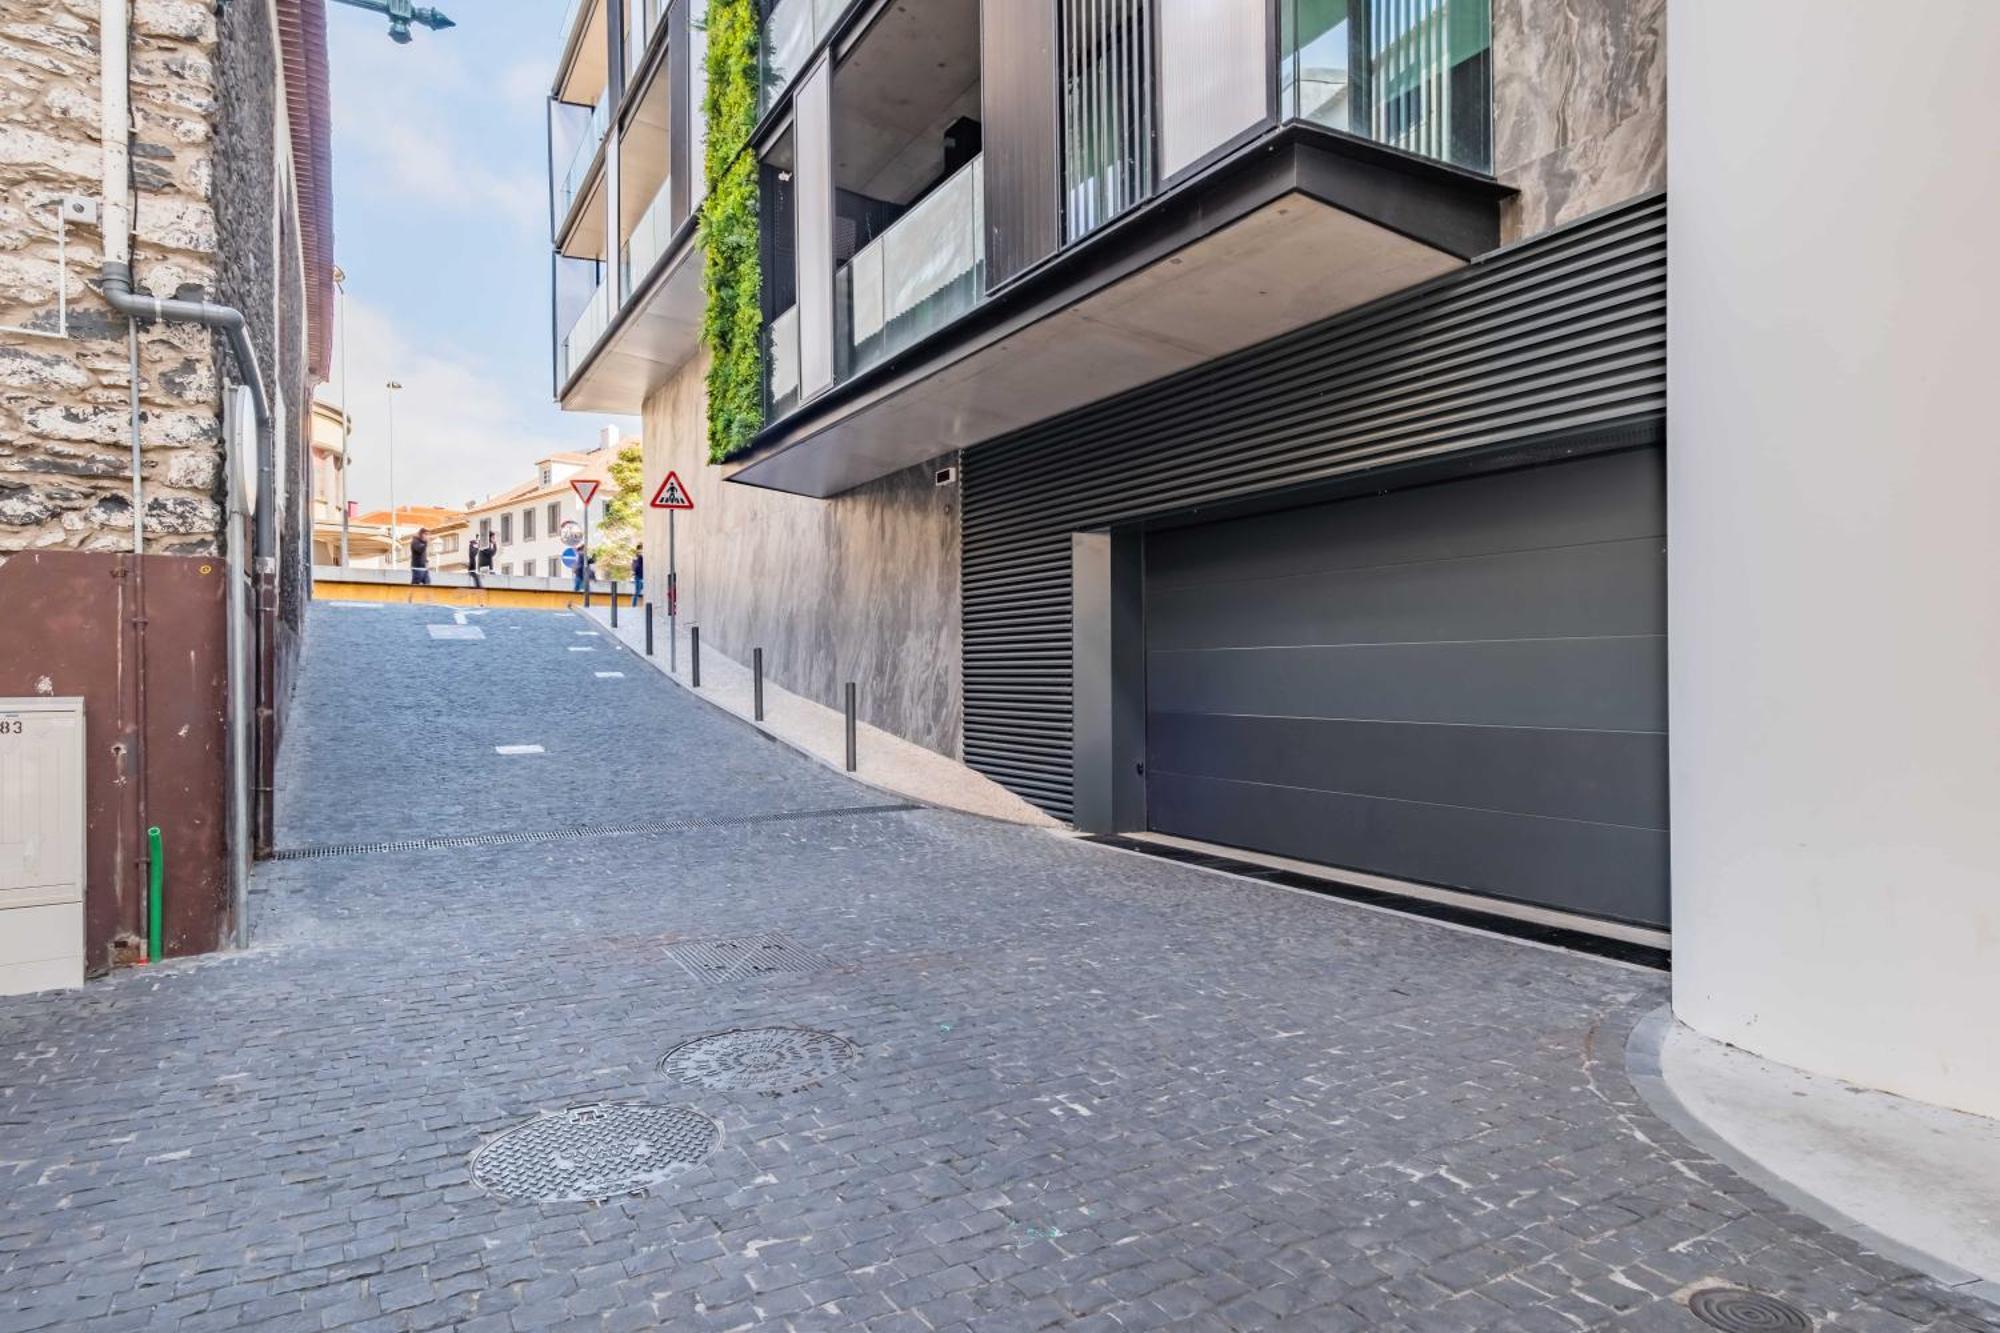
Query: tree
(621, 529)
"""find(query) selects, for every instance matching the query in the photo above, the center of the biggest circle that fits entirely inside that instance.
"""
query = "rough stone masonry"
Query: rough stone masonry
(65, 464)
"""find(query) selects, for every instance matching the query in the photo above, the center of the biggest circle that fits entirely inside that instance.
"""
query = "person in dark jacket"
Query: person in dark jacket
(487, 553)
(472, 556)
(638, 572)
(420, 559)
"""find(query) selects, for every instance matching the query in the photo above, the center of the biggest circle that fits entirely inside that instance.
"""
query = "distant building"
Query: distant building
(527, 520)
(329, 480)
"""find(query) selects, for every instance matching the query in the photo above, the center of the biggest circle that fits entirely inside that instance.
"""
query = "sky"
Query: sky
(440, 219)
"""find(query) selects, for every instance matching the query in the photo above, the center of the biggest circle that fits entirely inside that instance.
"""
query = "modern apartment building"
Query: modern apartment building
(1248, 421)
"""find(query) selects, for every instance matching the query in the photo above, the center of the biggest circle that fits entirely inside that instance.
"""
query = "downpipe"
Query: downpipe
(228, 321)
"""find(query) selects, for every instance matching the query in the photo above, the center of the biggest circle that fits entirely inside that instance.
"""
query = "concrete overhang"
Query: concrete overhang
(652, 335)
(1298, 225)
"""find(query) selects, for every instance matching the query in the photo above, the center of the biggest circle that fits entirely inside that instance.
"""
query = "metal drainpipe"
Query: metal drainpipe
(117, 289)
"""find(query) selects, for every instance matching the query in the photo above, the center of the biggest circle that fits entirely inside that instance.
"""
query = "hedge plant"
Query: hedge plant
(732, 324)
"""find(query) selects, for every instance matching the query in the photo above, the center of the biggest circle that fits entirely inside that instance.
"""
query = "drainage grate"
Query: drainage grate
(577, 832)
(1734, 1310)
(719, 961)
(586, 1153)
(770, 1060)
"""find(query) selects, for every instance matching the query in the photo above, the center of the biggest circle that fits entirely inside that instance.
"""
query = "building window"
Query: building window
(485, 528)
(555, 516)
(548, 474)
(506, 529)
(528, 524)
(508, 570)
(555, 566)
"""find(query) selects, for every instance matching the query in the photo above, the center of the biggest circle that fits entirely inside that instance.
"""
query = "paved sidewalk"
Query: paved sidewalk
(1093, 1091)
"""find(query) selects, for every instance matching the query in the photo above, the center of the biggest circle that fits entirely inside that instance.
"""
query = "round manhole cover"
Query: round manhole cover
(1734, 1310)
(760, 1059)
(593, 1152)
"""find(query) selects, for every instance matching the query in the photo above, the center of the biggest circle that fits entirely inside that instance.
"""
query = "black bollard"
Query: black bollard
(649, 629)
(852, 761)
(757, 681)
(694, 655)
(614, 603)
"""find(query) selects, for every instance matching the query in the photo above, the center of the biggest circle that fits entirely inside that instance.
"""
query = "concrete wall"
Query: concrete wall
(1579, 106)
(1835, 564)
(863, 587)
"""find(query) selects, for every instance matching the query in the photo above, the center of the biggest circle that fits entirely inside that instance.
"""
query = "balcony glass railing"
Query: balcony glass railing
(784, 362)
(642, 20)
(792, 30)
(578, 170)
(1413, 74)
(925, 271)
(647, 242)
(584, 333)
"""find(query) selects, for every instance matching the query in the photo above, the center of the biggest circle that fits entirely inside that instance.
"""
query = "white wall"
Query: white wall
(1834, 509)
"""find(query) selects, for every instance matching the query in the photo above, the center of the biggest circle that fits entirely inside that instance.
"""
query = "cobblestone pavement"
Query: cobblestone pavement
(1093, 1091)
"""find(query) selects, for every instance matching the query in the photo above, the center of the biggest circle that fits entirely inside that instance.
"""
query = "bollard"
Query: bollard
(649, 629)
(694, 655)
(852, 762)
(614, 603)
(586, 591)
(757, 682)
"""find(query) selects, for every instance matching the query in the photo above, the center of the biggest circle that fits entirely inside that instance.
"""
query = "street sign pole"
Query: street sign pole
(673, 598)
(583, 556)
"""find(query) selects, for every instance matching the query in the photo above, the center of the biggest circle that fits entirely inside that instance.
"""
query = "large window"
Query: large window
(528, 525)
(778, 237)
(555, 515)
(506, 529)
(1414, 74)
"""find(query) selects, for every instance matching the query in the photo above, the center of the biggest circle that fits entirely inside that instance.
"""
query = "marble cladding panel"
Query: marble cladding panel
(1579, 106)
(862, 587)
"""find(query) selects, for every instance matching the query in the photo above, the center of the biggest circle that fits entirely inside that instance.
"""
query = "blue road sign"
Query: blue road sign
(569, 557)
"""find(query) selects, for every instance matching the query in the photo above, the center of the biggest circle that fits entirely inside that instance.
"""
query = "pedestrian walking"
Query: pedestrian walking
(638, 572)
(582, 569)
(472, 557)
(420, 559)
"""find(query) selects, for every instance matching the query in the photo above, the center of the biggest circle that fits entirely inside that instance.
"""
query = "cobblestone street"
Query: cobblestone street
(1087, 1089)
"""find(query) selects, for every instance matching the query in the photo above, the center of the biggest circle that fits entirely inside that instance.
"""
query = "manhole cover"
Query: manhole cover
(717, 961)
(593, 1152)
(760, 1059)
(1734, 1310)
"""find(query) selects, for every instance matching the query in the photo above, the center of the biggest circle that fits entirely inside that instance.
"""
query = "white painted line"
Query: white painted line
(575, 648)
(585, 633)
(456, 632)
(518, 749)
(611, 675)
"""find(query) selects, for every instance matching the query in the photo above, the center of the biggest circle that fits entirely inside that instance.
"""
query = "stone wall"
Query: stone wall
(1579, 106)
(862, 587)
(64, 421)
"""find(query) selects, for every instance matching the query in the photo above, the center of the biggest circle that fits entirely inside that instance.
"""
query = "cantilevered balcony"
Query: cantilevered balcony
(1184, 179)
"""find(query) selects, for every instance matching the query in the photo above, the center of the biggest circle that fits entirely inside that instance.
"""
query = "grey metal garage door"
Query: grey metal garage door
(1462, 684)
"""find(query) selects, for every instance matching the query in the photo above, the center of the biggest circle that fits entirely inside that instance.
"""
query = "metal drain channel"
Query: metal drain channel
(1734, 1310)
(577, 832)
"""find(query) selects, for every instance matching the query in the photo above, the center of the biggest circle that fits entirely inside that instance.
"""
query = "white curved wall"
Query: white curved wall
(1834, 509)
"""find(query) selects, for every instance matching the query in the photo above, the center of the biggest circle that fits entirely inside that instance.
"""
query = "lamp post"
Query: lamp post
(395, 529)
(346, 421)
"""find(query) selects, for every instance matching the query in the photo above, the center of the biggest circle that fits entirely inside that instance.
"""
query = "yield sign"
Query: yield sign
(584, 489)
(672, 495)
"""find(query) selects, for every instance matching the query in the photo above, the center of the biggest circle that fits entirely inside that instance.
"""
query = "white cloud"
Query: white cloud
(458, 429)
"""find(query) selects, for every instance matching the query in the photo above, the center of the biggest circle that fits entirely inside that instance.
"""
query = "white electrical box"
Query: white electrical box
(41, 844)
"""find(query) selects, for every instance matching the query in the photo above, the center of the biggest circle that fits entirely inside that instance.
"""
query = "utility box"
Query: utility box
(41, 844)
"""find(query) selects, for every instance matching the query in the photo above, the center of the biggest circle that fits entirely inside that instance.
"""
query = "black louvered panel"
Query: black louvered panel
(1564, 334)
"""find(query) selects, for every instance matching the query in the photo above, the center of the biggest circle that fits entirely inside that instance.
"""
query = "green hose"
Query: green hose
(156, 889)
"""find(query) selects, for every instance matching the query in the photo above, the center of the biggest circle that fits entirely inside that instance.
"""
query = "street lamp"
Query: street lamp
(395, 529)
(346, 420)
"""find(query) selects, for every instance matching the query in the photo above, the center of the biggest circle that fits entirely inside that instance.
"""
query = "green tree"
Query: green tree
(622, 528)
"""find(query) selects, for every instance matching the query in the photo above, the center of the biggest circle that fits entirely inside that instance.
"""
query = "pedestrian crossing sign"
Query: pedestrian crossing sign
(672, 495)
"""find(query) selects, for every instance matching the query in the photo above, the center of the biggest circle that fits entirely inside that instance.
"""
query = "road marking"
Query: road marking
(576, 648)
(584, 633)
(611, 675)
(519, 749)
(456, 632)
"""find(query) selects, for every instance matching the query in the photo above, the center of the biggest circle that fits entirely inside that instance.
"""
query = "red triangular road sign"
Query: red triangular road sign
(584, 489)
(672, 495)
